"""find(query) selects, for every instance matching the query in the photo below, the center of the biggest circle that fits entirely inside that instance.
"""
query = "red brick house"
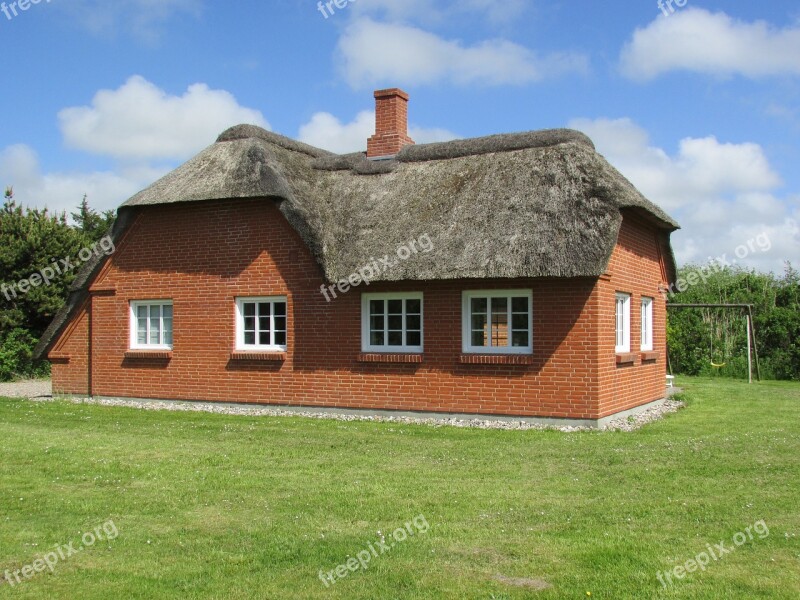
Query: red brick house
(515, 275)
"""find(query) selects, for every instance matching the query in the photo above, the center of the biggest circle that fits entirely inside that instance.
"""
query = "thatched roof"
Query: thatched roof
(538, 204)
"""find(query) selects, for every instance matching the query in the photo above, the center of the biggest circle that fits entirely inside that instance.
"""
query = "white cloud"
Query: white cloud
(63, 191)
(695, 39)
(139, 121)
(374, 53)
(722, 194)
(145, 129)
(144, 19)
(327, 132)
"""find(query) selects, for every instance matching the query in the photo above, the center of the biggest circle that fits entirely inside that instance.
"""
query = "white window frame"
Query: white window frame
(622, 323)
(134, 323)
(366, 346)
(466, 321)
(272, 300)
(647, 323)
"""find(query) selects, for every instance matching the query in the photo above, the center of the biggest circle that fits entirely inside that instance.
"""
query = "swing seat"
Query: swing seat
(717, 366)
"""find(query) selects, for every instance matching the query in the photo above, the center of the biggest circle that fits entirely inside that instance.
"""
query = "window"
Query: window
(647, 323)
(623, 323)
(261, 324)
(151, 325)
(498, 322)
(391, 322)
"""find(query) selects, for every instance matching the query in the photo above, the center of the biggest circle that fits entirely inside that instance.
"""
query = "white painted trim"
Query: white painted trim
(626, 323)
(240, 345)
(466, 323)
(133, 324)
(365, 324)
(647, 324)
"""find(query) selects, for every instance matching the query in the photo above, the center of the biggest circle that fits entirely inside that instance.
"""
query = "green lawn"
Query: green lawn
(211, 506)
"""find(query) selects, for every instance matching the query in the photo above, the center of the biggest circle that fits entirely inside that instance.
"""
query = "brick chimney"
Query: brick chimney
(391, 124)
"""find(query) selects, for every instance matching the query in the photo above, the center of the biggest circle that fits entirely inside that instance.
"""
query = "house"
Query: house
(514, 275)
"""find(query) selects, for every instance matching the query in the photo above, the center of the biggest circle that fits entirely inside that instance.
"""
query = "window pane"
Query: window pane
(377, 322)
(479, 322)
(413, 322)
(263, 323)
(395, 322)
(376, 338)
(155, 329)
(478, 305)
(263, 338)
(414, 338)
(499, 322)
(376, 307)
(250, 338)
(155, 311)
(168, 335)
(520, 321)
(413, 307)
(141, 312)
(519, 339)
(280, 338)
(499, 304)
(250, 323)
(141, 327)
(249, 309)
(280, 323)
(279, 308)
(519, 305)
(395, 338)
(478, 338)
(264, 309)
(167, 311)
(395, 307)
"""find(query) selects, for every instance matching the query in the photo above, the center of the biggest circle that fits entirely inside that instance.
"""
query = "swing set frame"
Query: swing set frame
(752, 347)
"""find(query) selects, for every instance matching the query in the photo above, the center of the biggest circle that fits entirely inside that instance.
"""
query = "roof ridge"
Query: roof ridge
(245, 131)
(504, 142)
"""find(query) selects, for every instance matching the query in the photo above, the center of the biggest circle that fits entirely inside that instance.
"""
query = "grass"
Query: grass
(215, 506)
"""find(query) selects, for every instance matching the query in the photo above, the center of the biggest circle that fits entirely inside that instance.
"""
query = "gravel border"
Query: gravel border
(40, 390)
(623, 424)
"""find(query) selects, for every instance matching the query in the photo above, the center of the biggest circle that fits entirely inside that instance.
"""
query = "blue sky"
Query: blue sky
(699, 107)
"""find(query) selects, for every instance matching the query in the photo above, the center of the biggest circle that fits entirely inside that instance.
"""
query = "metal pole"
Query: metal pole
(749, 356)
(755, 344)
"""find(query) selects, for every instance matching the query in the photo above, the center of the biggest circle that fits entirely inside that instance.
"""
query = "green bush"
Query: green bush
(16, 352)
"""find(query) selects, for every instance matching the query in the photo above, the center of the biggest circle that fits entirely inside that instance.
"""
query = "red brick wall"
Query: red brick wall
(72, 377)
(636, 268)
(202, 257)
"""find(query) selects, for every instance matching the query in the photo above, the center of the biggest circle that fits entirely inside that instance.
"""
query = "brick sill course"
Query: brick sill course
(268, 356)
(496, 359)
(650, 356)
(372, 357)
(149, 354)
(627, 358)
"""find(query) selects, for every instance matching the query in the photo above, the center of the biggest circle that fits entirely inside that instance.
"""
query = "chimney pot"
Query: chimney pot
(391, 124)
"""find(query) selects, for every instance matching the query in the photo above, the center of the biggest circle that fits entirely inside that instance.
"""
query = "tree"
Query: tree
(91, 223)
(38, 263)
(776, 315)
